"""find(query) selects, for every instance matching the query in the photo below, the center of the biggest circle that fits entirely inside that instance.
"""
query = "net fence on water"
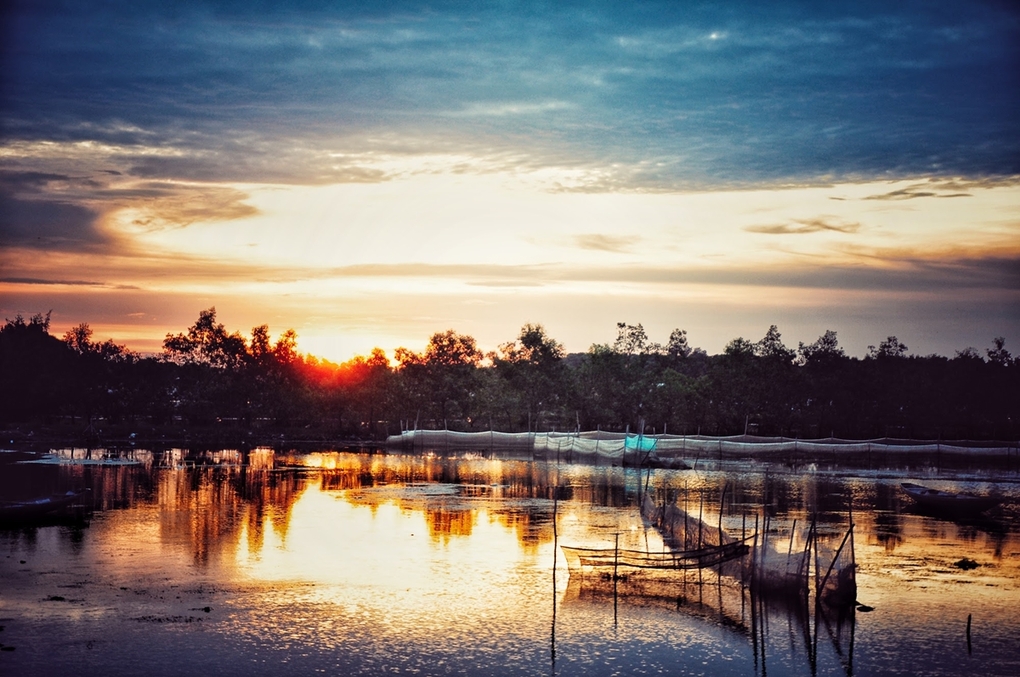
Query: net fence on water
(642, 449)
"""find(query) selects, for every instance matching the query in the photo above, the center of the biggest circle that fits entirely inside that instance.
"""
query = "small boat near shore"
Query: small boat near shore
(948, 503)
(638, 559)
(19, 513)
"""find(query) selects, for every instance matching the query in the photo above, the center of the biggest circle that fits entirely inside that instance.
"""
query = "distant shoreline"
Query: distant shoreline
(42, 438)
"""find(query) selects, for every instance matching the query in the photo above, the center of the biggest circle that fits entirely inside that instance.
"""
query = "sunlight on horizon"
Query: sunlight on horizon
(505, 219)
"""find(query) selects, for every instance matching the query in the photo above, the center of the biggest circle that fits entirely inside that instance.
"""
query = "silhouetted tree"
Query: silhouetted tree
(206, 342)
(998, 353)
(99, 380)
(209, 377)
(443, 379)
(34, 370)
(891, 347)
(531, 372)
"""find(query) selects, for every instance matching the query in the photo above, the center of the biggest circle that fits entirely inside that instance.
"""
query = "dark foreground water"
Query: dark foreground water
(345, 564)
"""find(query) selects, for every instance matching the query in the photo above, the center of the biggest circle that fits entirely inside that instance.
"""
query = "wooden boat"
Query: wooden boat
(21, 512)
(639, 559)
(948, 503)
(654, 461)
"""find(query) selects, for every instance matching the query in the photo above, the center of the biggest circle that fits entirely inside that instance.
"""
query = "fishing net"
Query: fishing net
(781, 562)
(836, 572)
(622, 447)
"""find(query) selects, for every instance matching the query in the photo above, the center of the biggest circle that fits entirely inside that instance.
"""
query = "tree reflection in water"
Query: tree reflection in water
(363, 560)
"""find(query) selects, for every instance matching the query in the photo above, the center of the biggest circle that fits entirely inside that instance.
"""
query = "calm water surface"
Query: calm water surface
(358, 564)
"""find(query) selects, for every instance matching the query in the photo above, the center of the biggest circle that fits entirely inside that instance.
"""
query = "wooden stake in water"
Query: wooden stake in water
(616, 558)
(969, 649)
(789, 551)
(555, 553)
(722, 504)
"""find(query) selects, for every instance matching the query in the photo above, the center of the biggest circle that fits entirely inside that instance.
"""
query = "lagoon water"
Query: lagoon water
(270, 563)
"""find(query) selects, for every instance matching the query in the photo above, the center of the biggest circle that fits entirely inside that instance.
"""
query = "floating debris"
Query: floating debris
(168, 619)
(966, 564)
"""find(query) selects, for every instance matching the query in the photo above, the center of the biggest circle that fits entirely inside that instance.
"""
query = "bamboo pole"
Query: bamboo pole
(722, 502)
(616, 556)
(789, 552)
(552, 640)
(754, 560)
(835, 557)
(701, 517)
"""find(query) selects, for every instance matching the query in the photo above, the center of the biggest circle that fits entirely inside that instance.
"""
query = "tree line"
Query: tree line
(207, 378)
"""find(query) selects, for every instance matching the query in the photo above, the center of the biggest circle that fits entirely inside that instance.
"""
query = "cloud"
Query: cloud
(176, 205)
(65, 283)
(947, 187)
(892, 275)
(34, 213)
(643, 93)
(802, 226)
(503, 109)
(617, 244)
(912, 193)
(71, 211)
(509, 284)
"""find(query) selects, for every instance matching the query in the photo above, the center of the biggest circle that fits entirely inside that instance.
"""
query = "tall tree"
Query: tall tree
(531, 369)
(443, 378)
(34, 370)
(207, 342)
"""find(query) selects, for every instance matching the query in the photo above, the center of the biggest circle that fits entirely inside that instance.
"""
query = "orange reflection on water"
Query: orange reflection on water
(206, 508)
(419, 529)
(376, 553)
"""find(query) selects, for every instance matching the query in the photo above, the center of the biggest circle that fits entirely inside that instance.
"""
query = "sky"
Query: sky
(371, 173)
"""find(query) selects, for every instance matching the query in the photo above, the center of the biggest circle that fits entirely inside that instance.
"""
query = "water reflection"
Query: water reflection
(358, 562)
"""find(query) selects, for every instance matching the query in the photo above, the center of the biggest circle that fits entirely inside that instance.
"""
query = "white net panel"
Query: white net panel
(782, 562)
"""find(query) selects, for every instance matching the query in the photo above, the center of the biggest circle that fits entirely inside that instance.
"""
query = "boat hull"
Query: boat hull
(23, 513)
(947, 503)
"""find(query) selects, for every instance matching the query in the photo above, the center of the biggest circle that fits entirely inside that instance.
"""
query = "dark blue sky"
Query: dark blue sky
(679, 95)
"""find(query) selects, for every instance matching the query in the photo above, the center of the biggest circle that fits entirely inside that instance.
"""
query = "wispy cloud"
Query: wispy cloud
(617, 244)
(913, 193)
(507, 284)
(803, 226)
(158, 205)
(504, 109)
(65, 283)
